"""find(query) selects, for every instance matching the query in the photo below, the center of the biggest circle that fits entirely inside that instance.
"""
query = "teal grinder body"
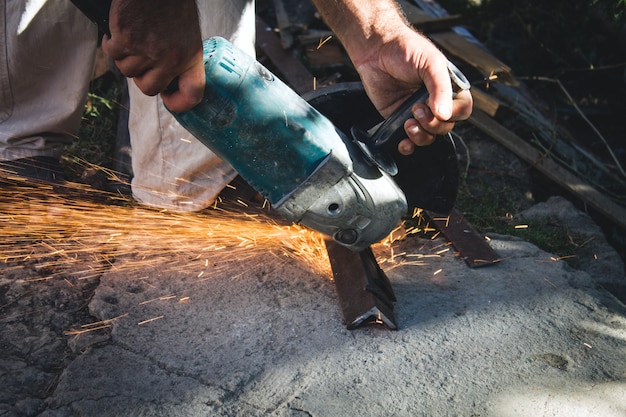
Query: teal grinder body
(310, 172)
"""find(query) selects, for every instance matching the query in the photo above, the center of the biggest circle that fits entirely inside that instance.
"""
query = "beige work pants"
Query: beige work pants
(47, 50)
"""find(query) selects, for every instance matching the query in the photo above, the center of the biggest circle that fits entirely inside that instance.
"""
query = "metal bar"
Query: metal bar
(364, 291)
(473, 248)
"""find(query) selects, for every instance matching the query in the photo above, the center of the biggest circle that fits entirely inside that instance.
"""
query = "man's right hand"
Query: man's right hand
(155, 42)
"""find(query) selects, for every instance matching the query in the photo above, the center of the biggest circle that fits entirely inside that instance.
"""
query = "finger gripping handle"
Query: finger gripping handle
(392, 129)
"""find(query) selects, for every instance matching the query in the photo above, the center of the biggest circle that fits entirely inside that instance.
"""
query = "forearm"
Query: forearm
(362, 25)
(393, 61)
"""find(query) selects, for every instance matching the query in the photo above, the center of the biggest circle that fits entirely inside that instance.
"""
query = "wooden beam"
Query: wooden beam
(437, 24)
(292, 70)
(284, 25)
(474, 55)
(548, 167)
(485, 102)
(425, 22)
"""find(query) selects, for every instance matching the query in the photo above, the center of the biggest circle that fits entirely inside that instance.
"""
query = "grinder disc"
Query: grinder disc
(429, 177)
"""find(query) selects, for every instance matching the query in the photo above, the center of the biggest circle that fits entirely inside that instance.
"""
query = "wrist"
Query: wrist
(364, 27)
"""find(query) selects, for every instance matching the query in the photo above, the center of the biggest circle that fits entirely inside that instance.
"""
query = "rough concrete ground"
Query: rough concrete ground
(529, 336)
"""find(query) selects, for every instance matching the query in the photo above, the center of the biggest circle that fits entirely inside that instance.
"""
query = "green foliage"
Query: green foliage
(97, 134)
(93, 105)
(491, 211)
(551, 238)
(488, 201)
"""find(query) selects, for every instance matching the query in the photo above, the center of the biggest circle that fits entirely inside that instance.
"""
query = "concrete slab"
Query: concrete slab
(528, 336)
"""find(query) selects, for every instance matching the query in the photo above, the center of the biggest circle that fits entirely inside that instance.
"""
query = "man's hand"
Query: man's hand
(398, 68)
(156, 42)
(394, 61)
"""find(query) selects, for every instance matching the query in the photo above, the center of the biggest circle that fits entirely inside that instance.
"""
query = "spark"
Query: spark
(443, 219)
(84, 237)
(81, 234)
(421, 255)
(413, 230)
(560, 258)
(491, 77)
(141, 323)
(162, 298)
(550, 282)
(99, 325)
(76, 332)
(322, 42)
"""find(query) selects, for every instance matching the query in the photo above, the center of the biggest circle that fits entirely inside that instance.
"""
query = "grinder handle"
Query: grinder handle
(392, 128)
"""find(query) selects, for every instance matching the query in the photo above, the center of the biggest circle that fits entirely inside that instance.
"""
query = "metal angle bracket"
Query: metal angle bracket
(472, 247)
(365, 293)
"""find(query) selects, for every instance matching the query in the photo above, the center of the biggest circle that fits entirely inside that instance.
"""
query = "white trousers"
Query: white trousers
(47, 50)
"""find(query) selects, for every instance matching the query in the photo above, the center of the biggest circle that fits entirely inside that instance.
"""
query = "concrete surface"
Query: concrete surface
(529, 336)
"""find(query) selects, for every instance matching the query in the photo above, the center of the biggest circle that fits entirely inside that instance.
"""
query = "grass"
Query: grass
(496, 215)
(97, 135)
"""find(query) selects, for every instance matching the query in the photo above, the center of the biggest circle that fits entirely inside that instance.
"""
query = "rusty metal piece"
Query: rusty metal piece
(364, 291)
(473, 248)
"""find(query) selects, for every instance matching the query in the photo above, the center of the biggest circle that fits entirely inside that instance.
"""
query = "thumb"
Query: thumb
(439, 86)
(443, 107)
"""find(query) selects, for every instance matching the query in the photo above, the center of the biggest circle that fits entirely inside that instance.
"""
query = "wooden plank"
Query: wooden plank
(548, 167)
(282, 20)
(466, 47)
(483, 101)
(474, 55)
(424, 22)
(292, 70)
(437, 24)
(413, 13)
